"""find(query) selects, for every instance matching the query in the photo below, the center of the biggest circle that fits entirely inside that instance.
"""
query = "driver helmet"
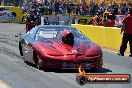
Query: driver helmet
(67, 37)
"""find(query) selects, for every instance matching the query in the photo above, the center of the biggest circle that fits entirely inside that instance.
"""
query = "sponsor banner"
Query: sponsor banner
(12, 14)
(63, 20)
(7, 15)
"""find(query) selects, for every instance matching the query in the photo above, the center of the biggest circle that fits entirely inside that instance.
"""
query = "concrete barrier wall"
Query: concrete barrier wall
(106, 37)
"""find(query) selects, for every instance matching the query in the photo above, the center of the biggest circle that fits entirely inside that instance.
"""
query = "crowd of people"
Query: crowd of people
(105, 15)
(67, 7)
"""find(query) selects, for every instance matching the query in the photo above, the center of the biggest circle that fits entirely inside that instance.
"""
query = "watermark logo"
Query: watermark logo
(83, 78)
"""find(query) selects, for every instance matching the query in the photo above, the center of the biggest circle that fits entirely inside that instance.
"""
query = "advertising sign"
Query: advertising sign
(7, 15)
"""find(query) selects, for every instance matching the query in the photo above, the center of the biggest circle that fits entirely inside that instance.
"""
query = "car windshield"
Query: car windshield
(54, 32)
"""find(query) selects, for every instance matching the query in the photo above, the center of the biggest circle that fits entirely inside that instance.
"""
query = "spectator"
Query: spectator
(105, 17)
(91, 9)
(122, 8)
(110, 20)
(56, 6)
(96, 8)
(64, 7)
(40, 8)
(102, 7)
(115, 8)
(127, 35)
(97, 20)
(30, 21)
(110, 8)
(77, 10)
(50, 8)
(68, 8)
(82, 8)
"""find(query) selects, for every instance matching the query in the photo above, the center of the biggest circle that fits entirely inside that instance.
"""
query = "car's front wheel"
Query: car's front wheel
(37, 60)
(21, 52)
(20, 49)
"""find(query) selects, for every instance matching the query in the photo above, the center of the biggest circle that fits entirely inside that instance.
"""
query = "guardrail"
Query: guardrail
(106, 37)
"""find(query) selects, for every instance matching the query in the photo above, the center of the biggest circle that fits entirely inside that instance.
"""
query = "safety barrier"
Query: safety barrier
(65, 19)
(15, 15)
(106, 37)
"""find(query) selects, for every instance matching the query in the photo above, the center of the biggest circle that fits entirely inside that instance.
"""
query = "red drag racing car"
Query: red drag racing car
(46, 46)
